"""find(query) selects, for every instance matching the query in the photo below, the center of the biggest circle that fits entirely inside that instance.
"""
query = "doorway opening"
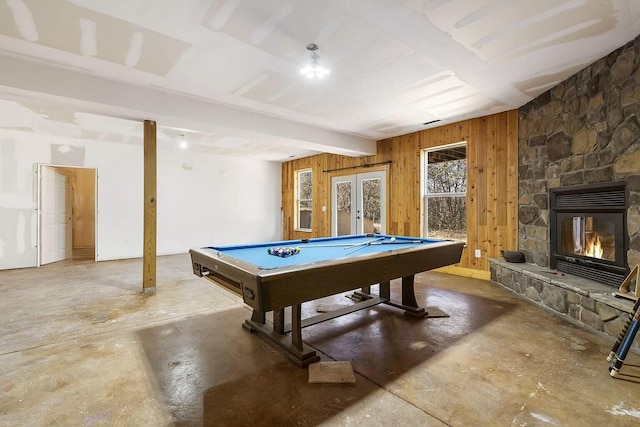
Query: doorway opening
(67, 212)
(359, 203)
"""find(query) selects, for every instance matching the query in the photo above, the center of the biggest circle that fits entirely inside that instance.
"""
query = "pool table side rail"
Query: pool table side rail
(267, 290)
(350, 259)
(289, 287)
(207, 263)
(335, 240)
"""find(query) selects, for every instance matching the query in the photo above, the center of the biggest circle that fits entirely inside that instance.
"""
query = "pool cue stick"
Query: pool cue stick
(366, 243)
(328, 245)
(398, 243)
(362, 246)
(623, 331)
(614, 370)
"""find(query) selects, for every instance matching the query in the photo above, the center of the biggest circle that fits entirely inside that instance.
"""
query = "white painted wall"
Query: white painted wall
(203, 199)
(206, 200)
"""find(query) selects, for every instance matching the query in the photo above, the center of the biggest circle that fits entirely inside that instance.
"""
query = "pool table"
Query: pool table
(322, 267)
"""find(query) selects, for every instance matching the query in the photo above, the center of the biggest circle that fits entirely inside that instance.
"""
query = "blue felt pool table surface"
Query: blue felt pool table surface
(315, 250)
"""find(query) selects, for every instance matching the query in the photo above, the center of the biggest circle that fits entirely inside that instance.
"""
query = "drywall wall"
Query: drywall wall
(206, 200)
(18, 201)
(203, 199)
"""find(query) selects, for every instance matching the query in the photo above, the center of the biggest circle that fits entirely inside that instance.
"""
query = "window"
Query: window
(445, 192)
(303, 200)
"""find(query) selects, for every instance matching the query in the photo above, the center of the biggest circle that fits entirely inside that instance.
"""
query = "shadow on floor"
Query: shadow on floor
(212, 371)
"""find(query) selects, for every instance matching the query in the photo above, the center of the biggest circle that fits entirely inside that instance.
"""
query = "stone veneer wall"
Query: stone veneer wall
(584, 130)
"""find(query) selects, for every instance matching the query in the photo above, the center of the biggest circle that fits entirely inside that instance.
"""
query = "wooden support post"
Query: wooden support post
(150, 193)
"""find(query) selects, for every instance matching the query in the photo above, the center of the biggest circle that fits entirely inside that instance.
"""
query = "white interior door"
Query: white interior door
(359, 203)
(55, 216)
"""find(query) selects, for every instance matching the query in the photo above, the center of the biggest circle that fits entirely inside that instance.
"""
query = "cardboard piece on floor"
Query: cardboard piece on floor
(331, 372)
(435, 312)
(325, 308)
(628, 289)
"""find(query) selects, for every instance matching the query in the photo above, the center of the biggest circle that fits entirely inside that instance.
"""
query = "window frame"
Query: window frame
(424, 190)
(297, 200)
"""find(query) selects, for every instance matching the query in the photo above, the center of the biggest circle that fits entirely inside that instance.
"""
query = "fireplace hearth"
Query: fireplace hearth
(588, 236)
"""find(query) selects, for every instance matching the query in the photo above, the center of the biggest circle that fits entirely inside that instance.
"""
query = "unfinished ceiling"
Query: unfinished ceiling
(224, 74)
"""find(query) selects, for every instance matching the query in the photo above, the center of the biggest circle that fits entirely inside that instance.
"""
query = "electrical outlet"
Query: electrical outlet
(478, 253)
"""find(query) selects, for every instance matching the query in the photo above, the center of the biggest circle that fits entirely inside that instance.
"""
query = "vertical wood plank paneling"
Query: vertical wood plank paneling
(501, 172)
(415, 182)
(483, 193)
(492, 192)
(84, 206)
(511, 231)
(472, 193)
(407, 188)
(489, 245)
(502, 212)
(395, 212)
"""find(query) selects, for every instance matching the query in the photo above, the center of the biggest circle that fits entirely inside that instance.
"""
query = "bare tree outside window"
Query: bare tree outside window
(371, 205)
(304, 191)
(445, 193)
(343, 207)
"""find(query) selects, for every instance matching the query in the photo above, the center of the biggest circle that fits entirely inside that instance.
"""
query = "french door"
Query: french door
(359, 203)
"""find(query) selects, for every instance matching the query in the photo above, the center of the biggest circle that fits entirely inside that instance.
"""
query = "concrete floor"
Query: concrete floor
(81, 346)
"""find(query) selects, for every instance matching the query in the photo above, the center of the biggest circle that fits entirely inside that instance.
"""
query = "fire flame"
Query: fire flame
(594, 247)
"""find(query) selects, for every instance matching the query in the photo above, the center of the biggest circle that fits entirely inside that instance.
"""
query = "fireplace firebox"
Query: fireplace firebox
(588, 231)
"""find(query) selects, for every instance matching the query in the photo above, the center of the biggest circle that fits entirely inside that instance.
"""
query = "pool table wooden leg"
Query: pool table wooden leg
(258, 317)
(385, 290)
(278, 321)
(296, 350)
(296, 326)
(408, 292)
(409, 303)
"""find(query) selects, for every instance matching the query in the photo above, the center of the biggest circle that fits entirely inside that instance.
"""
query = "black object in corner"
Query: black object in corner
(512, 256)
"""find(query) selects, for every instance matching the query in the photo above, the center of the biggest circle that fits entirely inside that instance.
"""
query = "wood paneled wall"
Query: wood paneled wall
(492, 184)
(83, 193)
(84, 208)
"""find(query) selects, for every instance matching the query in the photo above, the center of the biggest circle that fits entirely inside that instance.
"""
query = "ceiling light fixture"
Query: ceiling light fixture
(313, 69)
(183, 142)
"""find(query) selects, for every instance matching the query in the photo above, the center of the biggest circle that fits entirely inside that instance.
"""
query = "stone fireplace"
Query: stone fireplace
(583, 132)
(588, 231)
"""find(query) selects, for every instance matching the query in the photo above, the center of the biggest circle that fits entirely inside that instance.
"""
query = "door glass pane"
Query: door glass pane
(343, 207)
(371, 205)
(589, 236)
(447, 217)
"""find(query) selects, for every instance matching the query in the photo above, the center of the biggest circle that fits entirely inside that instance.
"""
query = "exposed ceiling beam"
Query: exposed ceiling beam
(101, 96)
